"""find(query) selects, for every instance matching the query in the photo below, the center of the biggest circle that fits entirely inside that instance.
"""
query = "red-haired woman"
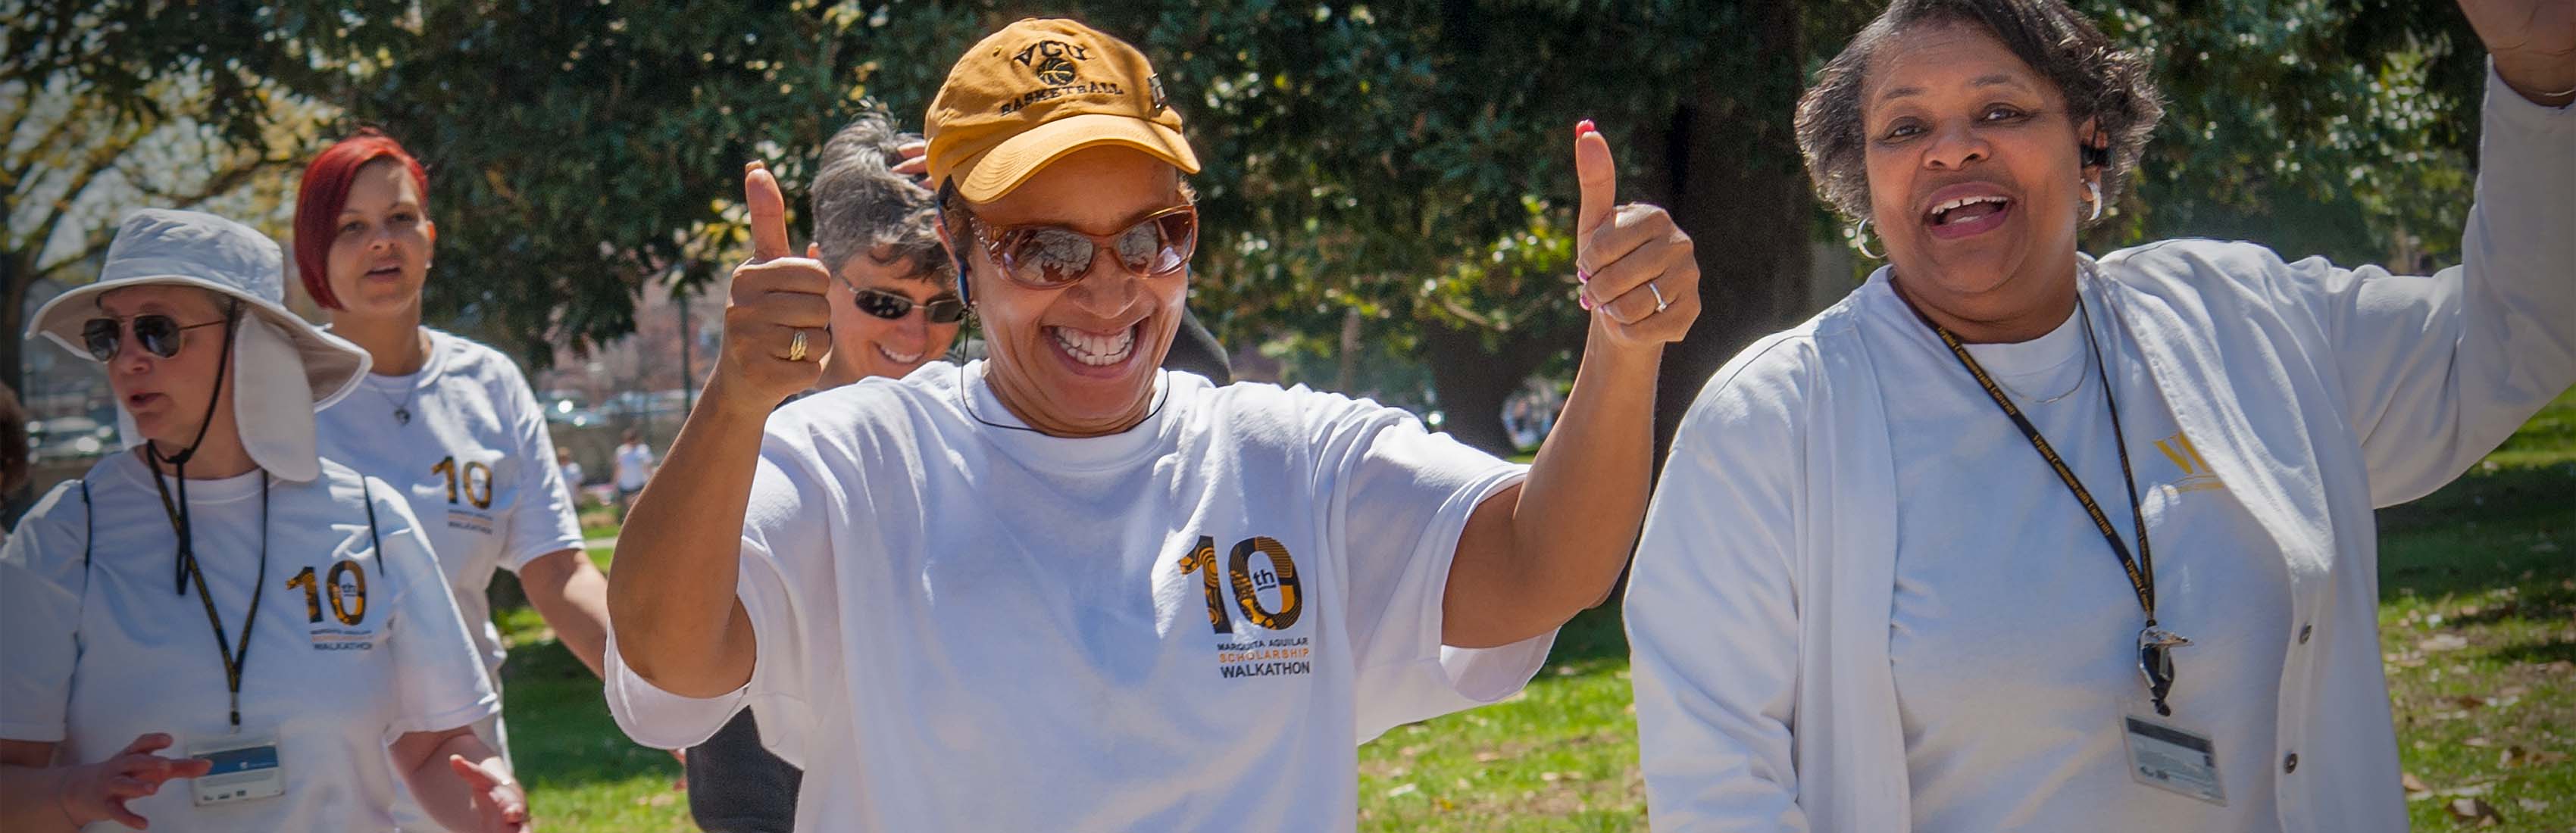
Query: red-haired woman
(449, 421)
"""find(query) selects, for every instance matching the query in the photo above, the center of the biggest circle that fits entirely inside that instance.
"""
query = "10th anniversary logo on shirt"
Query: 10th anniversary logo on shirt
(345, 588)
(1249, 651)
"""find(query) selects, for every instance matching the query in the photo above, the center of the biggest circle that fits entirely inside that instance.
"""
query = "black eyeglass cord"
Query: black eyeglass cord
(967, 403)
(235, 659)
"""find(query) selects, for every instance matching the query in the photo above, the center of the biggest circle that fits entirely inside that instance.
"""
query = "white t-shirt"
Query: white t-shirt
(352, 646)
(1186, 626)
(475, 461)
(2014, 630)
(634, 466)
(572, 478)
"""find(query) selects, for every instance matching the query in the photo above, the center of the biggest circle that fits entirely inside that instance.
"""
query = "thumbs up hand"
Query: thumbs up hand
(1639, 275)
(777, 322)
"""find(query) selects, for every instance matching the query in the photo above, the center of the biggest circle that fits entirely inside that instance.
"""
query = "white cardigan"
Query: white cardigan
(1759, 607)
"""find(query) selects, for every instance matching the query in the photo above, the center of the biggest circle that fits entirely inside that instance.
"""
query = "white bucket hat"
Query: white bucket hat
(283, 368)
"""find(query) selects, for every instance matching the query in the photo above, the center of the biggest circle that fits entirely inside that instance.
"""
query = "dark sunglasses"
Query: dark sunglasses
(891, 306)
(157, 334)
(1049, 257)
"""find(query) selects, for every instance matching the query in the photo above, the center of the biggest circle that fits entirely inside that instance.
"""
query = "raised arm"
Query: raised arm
(671, 599)
(2438, 370)
(1532, 558)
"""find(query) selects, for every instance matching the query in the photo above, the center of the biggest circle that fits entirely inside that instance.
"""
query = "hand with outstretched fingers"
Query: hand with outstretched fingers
(498, 800)
(777, 322)
(93, 793)
(1637, 269)
(2533, 43)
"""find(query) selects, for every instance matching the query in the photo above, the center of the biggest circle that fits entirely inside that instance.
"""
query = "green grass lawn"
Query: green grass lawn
(2477, 624)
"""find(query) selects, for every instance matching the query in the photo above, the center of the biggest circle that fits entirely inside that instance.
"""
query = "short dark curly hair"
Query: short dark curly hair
(2099, 80)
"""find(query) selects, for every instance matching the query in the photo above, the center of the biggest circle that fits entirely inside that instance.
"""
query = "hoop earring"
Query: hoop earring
(1860, 241)
(2094, 189)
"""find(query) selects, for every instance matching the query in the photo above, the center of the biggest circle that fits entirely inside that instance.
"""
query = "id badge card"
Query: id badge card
(2172, 759)
(245, 768)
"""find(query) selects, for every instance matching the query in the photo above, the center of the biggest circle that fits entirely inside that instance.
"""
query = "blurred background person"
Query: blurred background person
(449, 421)
(314, 701)
(634, 461)
(572, 475)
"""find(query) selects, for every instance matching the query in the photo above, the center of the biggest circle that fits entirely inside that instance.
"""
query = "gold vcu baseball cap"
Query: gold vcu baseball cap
(1037, 90)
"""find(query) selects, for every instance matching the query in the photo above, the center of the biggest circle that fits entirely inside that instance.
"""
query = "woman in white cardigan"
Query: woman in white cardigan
(1873, 591)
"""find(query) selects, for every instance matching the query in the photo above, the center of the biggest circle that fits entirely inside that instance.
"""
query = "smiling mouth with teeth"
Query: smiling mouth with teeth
(897, 358)
(1966, 209)
(1095, 349)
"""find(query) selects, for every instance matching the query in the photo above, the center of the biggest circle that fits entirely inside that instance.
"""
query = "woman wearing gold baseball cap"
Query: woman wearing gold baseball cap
(1058, 589)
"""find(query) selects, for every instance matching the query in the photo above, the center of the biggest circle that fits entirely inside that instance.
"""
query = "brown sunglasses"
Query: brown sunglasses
(1051, 256)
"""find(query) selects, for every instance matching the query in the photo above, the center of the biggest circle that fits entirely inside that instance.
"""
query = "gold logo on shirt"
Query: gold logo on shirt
(2196, 474)
(1253, 652)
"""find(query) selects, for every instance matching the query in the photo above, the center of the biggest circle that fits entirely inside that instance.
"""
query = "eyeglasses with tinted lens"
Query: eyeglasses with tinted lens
(892, 306)
(158, 335)
(1049, 257)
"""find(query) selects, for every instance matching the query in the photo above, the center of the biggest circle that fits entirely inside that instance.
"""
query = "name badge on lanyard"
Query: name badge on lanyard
(243, 767)
(2160, 755)
(2173, 759)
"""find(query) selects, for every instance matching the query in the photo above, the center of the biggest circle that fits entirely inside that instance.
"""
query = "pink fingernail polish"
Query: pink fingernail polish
(1586, 300)
(1583, 127)
(1581, 276)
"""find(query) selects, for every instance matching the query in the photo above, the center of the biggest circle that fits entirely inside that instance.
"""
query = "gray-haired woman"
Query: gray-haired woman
(2016, 538)
(892, 306)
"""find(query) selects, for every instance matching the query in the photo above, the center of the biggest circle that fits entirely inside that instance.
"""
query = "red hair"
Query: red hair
(326, 190)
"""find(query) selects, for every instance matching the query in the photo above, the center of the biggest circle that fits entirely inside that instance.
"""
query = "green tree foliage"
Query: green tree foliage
(1403, 166)
(2343, 129)
(98, 123)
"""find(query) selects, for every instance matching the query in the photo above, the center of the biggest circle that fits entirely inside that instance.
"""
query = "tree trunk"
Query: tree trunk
(14, 280)
(1347, 372)
(1472, 382)
(1730, 174)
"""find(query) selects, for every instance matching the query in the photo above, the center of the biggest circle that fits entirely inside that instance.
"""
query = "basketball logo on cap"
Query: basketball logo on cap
(1053, 60)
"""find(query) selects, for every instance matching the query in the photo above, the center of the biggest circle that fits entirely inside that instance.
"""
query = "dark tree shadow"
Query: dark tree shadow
(2511, 527)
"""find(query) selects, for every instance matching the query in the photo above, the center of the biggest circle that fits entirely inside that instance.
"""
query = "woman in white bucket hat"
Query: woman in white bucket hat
(128, 668)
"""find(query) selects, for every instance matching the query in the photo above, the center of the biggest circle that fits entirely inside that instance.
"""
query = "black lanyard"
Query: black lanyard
(235, 659)
(2141, 570)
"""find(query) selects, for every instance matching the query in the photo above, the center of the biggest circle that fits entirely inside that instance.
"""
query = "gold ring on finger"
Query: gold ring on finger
(796, 347)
